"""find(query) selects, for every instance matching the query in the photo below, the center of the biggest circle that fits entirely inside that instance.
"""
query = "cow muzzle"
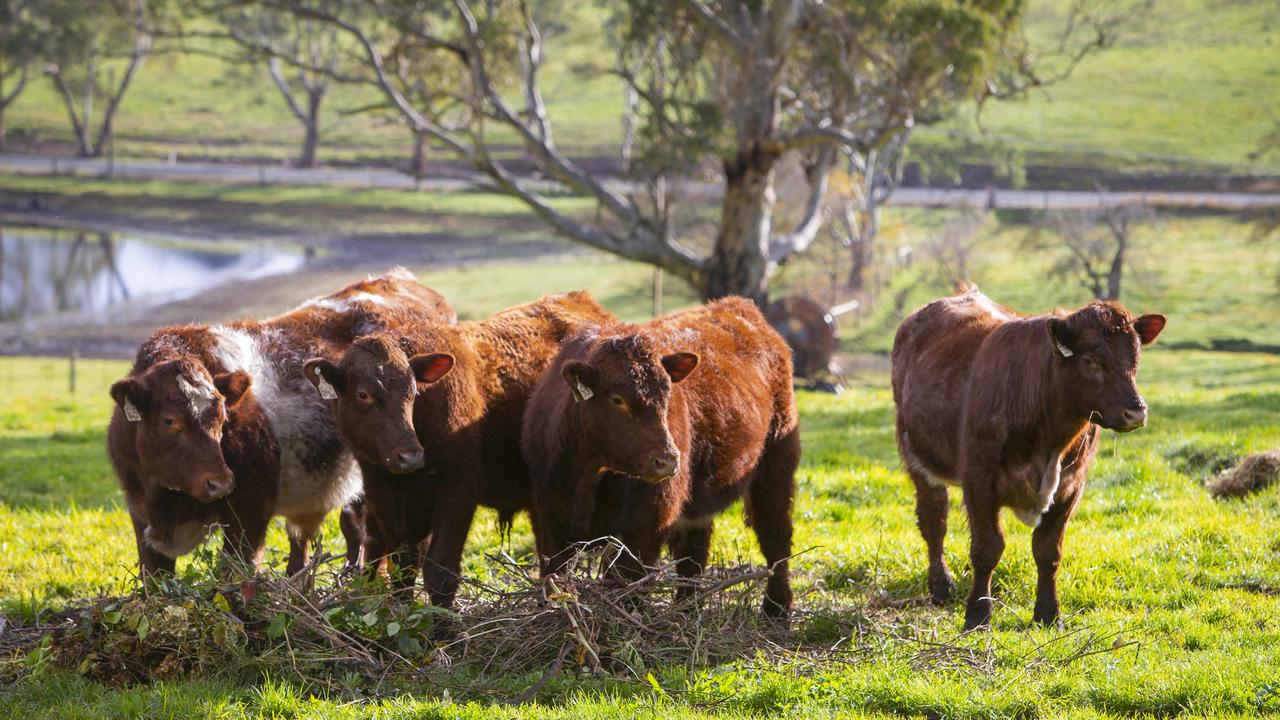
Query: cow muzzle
(662, 467)
(405, 461)
(213, 486)
(1132, 418)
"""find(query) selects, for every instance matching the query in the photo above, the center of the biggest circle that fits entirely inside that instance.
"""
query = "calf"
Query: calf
(221, 416)
(433, 414)
(1008, 408)
(646, 432)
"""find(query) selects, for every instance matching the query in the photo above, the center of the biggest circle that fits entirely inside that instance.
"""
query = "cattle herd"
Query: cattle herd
(375, 401)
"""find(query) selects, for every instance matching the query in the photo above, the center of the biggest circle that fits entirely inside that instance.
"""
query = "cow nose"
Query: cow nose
(218, 486)
(665, 466)
(1135, 417)
(407, 461)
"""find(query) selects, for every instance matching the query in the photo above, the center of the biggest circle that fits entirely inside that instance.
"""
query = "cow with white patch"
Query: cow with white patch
(216, 424)
(1008, 408)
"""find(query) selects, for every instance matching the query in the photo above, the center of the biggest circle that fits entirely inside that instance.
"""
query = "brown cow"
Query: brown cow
(1008, 408)
(624, 438)
(433, 414)
(222, 415)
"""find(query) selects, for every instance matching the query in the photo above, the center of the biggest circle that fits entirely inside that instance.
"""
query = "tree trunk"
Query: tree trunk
(739, 265)
(3, 133)
(418, 164)
(1117, 270)
(312, 139)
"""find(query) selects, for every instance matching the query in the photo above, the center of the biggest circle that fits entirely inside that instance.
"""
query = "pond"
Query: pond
(46, 271)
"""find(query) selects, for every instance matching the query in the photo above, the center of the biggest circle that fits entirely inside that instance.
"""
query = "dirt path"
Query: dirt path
(462, 180)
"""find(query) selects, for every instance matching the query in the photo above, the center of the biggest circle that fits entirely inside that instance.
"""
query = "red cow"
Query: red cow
(221, 415)
(433, 413)
(646, 432)
(1008, 408)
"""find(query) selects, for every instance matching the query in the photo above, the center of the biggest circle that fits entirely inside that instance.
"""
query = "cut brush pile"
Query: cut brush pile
(345, 634)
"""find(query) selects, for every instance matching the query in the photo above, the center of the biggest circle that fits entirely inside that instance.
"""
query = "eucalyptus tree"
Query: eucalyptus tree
(20, 42)
(301, 55)
(725, 88)
(85, 45)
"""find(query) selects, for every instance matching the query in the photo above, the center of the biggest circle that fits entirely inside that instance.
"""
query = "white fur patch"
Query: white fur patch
(342, 305)
(1049, 481)
(186, 537)
(199, 394)
(310, 483)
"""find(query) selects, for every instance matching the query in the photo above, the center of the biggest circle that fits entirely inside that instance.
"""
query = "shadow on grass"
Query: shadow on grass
(56, 471)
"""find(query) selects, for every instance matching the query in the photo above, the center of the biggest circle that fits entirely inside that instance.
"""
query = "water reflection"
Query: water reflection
(47, 271)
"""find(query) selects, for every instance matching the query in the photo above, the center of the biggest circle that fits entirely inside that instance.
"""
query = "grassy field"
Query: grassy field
(1193, 84)
(1172, 597)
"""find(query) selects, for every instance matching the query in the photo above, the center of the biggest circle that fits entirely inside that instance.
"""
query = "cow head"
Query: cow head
(371, 390)
(177, 410)
(1098, 347)
(622, 391)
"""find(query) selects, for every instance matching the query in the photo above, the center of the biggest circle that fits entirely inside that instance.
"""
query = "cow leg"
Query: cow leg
(353, 524)
(150, 562)
(931, 518)
(244, 535)
(690, 544)
(985, 548)
(769, 503)
(1046, 547)
(302, 530)
(450, 523)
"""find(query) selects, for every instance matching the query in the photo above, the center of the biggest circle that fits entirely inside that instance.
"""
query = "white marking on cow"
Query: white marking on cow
(929, 477)
(311, 482)
(185, 538)
(990, 307)
(1049, 481)
(199, 394)
(343, 305)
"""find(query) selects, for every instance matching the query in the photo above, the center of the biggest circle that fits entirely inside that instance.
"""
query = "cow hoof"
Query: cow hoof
(1048, 618)
(775, 613)
(941, 590)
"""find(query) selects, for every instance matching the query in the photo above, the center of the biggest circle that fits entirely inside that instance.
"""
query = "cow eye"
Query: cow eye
(171, 423)
(364, 396)
(1090, 362)
(618, 401)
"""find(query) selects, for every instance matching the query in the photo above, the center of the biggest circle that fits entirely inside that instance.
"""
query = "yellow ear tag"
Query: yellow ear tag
(131, 412)
(326, 390)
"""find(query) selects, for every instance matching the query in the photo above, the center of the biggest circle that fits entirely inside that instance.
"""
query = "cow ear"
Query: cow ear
(581, 379)
(325, 375)
(431, 367)
(233, 386)
(1060, 336)
(132, 397)
(1148, 327)
(679, 365)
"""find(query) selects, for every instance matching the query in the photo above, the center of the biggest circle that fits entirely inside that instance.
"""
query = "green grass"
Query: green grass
(1190, 582)
(1192, 84)
(1210, 274)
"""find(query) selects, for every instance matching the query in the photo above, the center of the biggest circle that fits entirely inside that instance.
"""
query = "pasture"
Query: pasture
(1171, 601)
